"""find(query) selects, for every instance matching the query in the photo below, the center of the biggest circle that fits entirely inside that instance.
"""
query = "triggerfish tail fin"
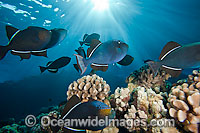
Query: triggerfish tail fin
(81, 62)
(42, 69)
(3, 51)
(154, 66)
(81, 43)
(76, 67)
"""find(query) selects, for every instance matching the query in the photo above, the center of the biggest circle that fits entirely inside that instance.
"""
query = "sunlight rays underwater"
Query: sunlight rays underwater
(146, 26)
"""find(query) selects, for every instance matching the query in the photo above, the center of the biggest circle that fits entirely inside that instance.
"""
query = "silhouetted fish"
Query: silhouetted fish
(53, 66)
(174, 58)
(87, 39)
(80, 51)
(75, 109)
(101, 54)
(32, 40)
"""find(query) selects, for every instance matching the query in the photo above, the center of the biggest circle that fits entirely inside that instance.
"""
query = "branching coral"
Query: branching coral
(184, 103)
(89, 87)
(122, 96)
(144, 77)
(146, 104)
(138, 103)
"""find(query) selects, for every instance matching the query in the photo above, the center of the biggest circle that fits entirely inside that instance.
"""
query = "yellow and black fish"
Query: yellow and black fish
(77, 110)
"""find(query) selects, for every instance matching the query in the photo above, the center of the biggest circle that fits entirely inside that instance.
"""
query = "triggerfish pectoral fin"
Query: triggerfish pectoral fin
(99, 67)
(127, 60)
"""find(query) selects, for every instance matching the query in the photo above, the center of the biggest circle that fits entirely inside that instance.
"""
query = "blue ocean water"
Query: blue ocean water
(146, 26)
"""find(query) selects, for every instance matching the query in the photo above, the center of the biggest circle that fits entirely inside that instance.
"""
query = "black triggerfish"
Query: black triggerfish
(53, 66)
(174, 58)
(83, 111)
(101, 54)
(87, 39)
(31, 41)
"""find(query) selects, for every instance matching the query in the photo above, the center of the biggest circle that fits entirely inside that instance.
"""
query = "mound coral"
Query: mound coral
(184, 103)
(144, 77)
(89, 87)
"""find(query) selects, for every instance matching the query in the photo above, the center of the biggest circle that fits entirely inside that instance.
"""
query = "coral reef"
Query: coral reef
(137, 103)
(14, 128)
(144, 77)
(145, 104)
(184, 103)
(93, 87)
(122, 96)
(143, 99)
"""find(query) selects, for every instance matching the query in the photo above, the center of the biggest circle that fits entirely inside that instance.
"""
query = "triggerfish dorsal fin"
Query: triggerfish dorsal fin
(174, 72)
(93, 46)
(127, 60)
(168, 48)
(74, 100)
(99, 67)
(10, 31)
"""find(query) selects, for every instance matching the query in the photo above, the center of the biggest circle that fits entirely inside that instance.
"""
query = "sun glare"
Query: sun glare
(100, 5)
